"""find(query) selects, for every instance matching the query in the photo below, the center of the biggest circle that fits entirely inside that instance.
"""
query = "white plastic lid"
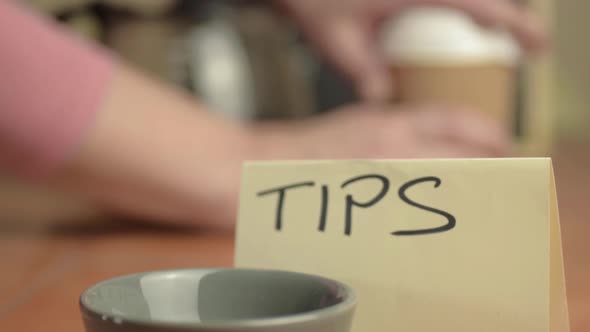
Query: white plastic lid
(440, 35)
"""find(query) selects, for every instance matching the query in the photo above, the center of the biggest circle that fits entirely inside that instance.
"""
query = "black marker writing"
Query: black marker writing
(323, 209)
(402, 194)
(350, 202)
(280, 202)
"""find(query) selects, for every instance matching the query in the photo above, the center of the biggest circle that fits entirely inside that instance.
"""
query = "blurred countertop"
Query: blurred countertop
(52, 249)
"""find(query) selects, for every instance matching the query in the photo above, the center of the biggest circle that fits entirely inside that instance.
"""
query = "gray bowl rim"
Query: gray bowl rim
(347, 304)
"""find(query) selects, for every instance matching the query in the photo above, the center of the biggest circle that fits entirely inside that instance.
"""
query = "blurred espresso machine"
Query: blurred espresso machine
(241, 57)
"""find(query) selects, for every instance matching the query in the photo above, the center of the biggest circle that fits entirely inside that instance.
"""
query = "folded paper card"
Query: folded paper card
(429, 245)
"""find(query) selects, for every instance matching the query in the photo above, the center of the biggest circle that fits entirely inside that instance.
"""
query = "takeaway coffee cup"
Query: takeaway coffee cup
(198, 300)
(440, 55)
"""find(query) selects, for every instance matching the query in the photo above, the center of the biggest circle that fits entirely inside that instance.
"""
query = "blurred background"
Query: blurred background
(241, 57)
(252, 65)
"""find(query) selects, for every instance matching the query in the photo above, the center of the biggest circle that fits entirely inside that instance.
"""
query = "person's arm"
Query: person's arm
(74, 117)
(51, 87)
(157, 153)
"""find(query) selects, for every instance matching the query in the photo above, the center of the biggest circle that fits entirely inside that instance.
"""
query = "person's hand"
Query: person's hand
(364, 131)
(345, 32)
(356, 132)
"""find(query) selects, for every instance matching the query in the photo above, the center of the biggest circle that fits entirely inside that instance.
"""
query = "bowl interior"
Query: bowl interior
(211, 295)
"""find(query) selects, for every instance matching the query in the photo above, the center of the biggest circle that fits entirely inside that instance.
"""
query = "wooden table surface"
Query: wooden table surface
(44, 268)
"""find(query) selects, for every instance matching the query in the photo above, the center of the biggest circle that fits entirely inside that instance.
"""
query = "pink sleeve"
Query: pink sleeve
(51, 86)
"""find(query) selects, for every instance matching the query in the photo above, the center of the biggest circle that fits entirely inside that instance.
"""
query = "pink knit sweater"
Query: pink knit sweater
(51, 86)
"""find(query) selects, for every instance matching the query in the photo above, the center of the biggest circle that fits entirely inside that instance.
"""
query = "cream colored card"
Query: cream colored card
(428, 245)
